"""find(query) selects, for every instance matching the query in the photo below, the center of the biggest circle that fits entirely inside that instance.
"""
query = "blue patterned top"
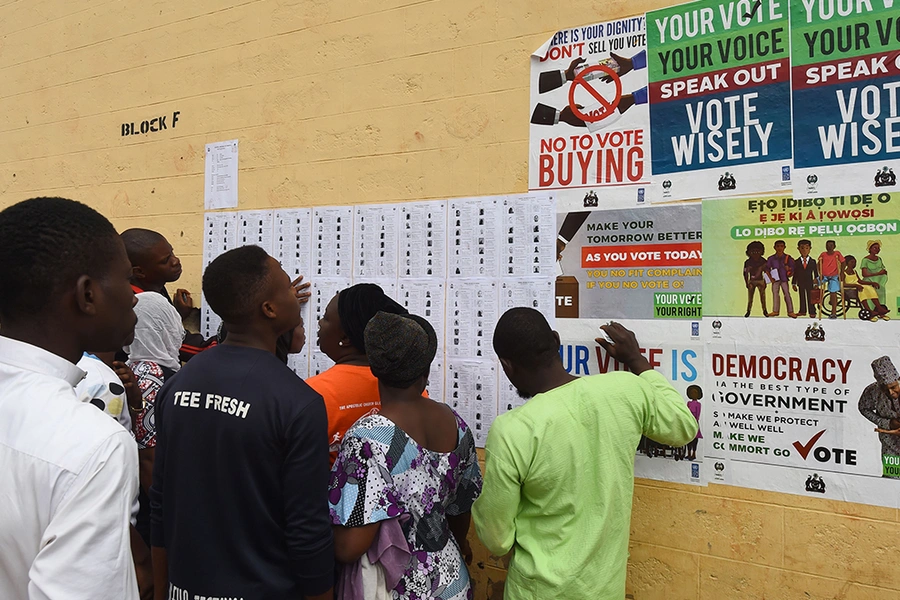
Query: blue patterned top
(381, 473)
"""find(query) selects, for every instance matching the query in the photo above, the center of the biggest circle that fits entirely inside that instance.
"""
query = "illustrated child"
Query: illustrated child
(866, 290)
(806, 277)
(695, 394)
(755, 271)
(830, 269)
(781, 268)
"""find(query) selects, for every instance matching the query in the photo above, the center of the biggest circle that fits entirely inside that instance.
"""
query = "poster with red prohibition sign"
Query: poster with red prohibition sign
(589, 117)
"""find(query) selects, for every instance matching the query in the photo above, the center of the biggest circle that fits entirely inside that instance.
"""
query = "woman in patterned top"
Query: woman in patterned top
(415, 460)
(153, 357)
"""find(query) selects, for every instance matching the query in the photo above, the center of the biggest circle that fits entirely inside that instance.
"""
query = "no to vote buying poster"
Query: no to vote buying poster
(674, 353)
(846, 75)
(746, 275)
(589, 112)
(802, 419)
(640, 263)
(719, 98)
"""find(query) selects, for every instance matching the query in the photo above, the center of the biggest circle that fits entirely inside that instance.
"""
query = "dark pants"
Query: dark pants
(806, 298)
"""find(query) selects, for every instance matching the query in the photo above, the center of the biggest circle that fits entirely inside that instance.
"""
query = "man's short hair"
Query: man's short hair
(46, 244)
(523, 336)
(138, 243)
(234, 283)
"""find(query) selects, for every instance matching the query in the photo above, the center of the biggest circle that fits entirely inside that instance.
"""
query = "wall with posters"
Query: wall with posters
(348, 103)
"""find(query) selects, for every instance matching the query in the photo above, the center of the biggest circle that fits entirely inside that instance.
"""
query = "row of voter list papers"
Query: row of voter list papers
(459, 263)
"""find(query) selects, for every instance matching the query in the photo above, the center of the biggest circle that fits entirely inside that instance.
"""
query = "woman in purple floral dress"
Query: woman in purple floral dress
(416, 458)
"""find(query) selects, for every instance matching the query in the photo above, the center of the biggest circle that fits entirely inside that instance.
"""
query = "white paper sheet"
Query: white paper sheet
(221, 175)
(423, 235)
(375, 241)
(332, 241)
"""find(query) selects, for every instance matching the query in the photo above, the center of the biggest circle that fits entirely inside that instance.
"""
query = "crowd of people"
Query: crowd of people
(142, 461)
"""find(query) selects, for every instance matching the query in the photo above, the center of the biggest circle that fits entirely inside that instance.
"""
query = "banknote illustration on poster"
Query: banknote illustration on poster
(720, 117)
(642, 263)
(818, 257)
(589, 118)
(846, 73)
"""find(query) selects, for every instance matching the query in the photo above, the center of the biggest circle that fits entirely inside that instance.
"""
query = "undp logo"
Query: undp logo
(812, 179)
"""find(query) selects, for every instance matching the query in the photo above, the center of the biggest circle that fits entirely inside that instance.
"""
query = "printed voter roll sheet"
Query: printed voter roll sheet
(332, 241)
(221, 175)
(474, 227)
(291, 241)
(539, 294)
(423, 239)
(220, 235)
(472, 312)
(528, 236)
(424, 297)
(435, 385)
(375, 241)
(255, 227)
(471, 390)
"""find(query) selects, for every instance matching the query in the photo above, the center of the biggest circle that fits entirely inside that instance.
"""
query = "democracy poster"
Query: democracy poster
(719, 83)
(589, 114)
(814, 418)
(846, 73)
(672, 350)
(638, 263)
(778, 258)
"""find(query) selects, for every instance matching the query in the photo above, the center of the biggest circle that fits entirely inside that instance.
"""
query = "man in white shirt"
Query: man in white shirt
(69, 472)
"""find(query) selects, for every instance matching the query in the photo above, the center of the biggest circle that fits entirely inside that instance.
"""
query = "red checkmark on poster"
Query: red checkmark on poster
(803, 449)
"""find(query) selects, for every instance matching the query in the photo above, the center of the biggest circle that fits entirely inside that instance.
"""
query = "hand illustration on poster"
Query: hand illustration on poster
(719, 98)
(589, 112)
(640, 263)
(813, 257)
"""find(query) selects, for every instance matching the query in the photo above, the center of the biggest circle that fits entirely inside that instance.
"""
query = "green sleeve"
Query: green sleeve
(495, 510)
(667, 419)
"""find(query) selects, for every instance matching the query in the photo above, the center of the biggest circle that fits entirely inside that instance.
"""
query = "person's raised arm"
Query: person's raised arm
(667, 419)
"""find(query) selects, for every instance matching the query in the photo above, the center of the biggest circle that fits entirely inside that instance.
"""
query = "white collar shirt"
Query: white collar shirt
(67, 481)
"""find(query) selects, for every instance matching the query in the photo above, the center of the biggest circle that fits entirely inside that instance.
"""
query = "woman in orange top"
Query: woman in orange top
(349, 388)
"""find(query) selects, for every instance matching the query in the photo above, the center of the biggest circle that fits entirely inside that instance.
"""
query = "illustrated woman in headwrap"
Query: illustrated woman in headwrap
(349, 388)
(873, 269)
(879, 403)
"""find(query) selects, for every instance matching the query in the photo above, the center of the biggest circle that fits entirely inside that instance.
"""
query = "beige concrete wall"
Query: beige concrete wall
(351, 101)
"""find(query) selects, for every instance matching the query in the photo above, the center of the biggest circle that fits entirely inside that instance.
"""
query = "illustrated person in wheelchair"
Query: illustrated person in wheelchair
(856, 293)
(866, 292)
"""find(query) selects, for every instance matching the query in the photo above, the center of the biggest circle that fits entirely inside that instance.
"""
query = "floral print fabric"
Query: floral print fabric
(381, 473)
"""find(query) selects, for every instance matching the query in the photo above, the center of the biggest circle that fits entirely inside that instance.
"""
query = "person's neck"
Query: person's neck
(149, 286)
(551, 378)
(354, 359)
(396, 401)
(46, 336)
(261, 340)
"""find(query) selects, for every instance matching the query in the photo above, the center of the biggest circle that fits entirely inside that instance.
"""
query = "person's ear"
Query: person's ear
(508, 367)
(86, 295)
(268, 310)
(137, 273)
(556, 337)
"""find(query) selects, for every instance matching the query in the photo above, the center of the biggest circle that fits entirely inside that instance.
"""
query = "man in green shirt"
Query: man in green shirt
(559, 473)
